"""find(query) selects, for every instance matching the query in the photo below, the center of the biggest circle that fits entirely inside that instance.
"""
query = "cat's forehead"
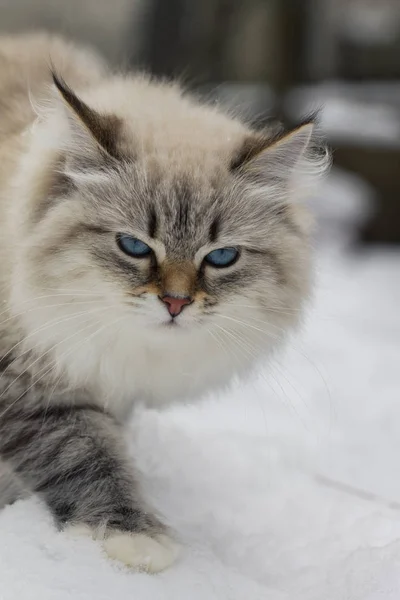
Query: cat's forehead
(178, 206)
(181, 210)
(184, 208)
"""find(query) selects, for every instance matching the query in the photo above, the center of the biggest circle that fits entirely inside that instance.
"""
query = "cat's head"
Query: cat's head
(169, 221)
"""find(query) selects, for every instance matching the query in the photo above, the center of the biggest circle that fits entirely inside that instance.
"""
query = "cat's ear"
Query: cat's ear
(92, 137)
(266, 159)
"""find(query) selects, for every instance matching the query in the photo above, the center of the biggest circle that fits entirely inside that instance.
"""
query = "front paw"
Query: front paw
(140, 551)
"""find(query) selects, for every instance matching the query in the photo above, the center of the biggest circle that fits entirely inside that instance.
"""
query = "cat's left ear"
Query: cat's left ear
(267, 159)
(92, 136)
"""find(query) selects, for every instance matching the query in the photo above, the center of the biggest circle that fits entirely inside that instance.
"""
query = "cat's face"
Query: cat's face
(172, 254)
(184, 252)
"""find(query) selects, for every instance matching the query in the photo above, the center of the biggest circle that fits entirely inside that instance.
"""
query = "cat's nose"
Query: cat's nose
(175, 305)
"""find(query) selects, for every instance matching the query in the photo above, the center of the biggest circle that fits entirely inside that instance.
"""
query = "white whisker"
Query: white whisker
(49, 324)
(41, 356)
(54, 363)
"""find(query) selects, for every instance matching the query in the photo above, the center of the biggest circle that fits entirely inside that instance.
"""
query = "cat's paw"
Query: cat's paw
(142, 552)
(136, 550)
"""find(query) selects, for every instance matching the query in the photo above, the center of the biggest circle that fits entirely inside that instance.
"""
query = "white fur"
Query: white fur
(138, 551)
(125, 358)
(142, 552)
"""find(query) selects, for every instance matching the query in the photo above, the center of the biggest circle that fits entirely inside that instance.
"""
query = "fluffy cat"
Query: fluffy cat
(151, 248)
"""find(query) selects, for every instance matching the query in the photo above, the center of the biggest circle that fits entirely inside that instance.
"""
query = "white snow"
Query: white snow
(265, 485)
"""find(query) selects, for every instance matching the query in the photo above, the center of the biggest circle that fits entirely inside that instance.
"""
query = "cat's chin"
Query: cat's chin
(174, 328)
(171, 324)
(177, 325)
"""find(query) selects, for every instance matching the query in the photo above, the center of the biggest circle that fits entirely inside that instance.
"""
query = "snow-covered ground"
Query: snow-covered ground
(287, 488)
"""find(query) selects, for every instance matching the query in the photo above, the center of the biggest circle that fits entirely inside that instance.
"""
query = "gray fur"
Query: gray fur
(11, 487)
(69, 452)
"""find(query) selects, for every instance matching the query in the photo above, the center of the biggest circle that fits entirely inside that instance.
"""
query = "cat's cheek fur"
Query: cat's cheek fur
(117, 362)
(137, 551)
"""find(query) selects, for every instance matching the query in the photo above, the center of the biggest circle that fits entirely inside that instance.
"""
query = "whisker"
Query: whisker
(236, 339)
(231, 347)
(297, 350)
(219, 340)
(14, 281)
(39, 358)
(60, 377)
(290, 384)
(48, 324)
(46, 306)
(278, 309)
(63, 355)
(246, 324)
(74, 292)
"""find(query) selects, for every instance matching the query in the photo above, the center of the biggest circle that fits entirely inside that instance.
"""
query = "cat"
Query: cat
(152, 248)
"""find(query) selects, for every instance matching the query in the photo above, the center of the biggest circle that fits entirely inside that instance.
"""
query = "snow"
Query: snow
(284, 488)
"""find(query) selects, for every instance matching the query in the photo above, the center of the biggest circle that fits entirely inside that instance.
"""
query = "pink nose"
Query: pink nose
(175, 305)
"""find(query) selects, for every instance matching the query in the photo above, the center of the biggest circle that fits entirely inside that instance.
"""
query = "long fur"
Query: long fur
(84, 335)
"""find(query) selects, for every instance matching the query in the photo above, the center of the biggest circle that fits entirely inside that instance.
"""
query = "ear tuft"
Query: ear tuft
(87, 124)
(291, 156)
(281, 152)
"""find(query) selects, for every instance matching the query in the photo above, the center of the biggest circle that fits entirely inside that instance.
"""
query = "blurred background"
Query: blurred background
(269, 58)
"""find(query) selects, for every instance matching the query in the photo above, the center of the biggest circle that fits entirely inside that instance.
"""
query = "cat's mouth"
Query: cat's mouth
(172, 323)
(176, 324)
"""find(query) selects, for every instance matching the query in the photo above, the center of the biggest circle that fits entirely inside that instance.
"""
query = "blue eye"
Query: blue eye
(223, 257)
(133, 246)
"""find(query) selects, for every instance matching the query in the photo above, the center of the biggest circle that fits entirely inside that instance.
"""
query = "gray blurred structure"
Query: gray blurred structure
(113, 26)
(353, 39)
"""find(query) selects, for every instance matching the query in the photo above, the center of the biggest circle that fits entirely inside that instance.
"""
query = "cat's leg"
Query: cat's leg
(11, 487)
(74, 457)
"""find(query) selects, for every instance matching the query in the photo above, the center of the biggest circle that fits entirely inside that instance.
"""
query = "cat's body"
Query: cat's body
(89, 174)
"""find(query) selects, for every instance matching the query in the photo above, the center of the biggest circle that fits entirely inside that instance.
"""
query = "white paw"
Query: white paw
(79, 531)
(136, 550)
(142, 552)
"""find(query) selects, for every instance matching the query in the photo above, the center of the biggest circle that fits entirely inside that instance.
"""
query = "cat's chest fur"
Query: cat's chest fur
(150, 369)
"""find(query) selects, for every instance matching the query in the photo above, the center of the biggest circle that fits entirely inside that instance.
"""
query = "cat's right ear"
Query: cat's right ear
(92, 137)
